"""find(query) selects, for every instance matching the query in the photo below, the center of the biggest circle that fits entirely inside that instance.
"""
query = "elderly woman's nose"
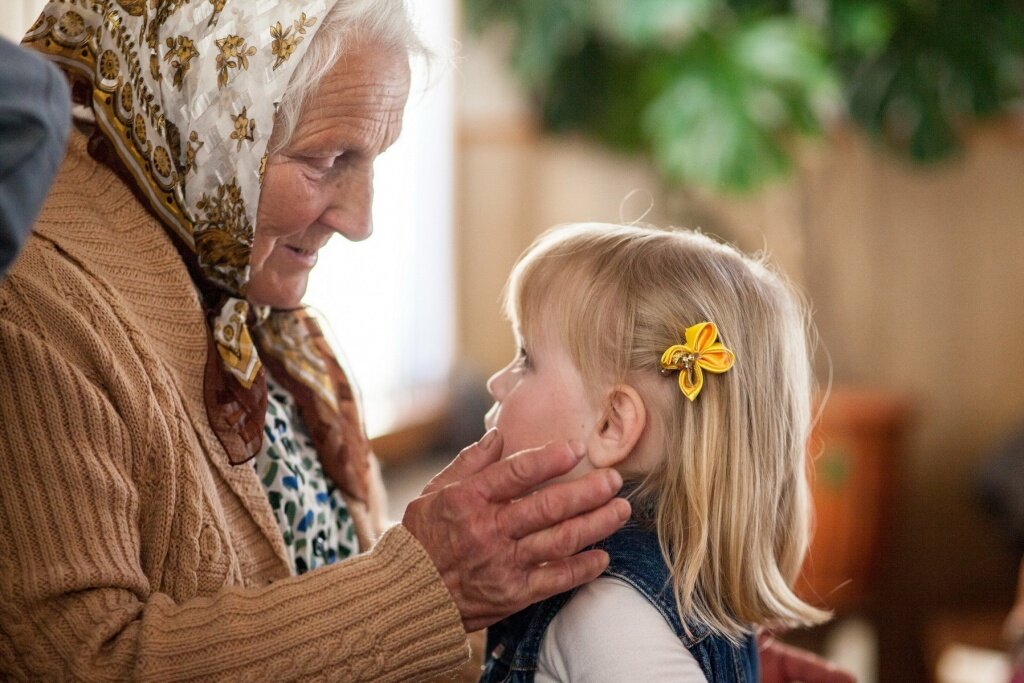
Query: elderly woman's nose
(350, 207)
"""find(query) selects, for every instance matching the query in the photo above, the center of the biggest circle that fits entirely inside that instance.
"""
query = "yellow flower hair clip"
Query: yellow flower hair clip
(700, 352)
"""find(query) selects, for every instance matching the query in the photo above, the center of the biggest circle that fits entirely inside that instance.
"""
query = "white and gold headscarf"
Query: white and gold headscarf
(184, 93)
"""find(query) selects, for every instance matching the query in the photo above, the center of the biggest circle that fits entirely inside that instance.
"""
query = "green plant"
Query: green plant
(714, 91)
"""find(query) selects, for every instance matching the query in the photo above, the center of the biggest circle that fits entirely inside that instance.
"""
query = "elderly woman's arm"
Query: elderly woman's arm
(126, 550)
(79, 554)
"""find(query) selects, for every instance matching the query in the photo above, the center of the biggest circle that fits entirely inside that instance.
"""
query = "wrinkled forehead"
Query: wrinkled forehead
(358, 105)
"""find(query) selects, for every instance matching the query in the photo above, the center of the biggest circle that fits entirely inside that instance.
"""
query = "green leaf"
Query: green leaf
(780, 52)
(724, 119)
(645, 23)
(863, 26)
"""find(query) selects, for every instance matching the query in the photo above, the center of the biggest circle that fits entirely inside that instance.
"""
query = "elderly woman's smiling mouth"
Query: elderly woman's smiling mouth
(303, 256)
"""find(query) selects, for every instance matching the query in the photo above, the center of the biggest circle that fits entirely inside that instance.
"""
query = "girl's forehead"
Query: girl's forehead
(536, 334)
(534, 319)
(529, 335)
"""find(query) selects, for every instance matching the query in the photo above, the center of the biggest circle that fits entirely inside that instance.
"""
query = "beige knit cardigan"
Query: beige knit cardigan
(129, 546)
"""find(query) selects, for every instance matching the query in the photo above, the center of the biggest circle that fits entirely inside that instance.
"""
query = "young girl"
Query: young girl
(684, 365)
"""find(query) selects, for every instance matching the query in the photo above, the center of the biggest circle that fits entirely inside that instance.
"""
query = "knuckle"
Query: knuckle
(448, 504)
(520, 469)
(569, 573)
(549, 506)
(520, 557)
(505, 524)
(465, 497)
(479, 487)
(569, 538)
(466, 454)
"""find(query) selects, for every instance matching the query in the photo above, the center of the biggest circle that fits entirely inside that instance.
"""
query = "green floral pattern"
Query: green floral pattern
(312, 514)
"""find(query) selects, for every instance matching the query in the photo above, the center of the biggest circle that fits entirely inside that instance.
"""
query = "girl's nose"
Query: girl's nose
(497, 385)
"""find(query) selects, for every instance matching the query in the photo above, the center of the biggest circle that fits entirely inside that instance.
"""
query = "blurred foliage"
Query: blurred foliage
(714, 91)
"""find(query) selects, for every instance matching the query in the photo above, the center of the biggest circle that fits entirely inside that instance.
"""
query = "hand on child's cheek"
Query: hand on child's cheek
(583, 467)
(539, 398)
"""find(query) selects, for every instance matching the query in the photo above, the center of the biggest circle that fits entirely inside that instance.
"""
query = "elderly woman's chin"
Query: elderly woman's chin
(280, 282)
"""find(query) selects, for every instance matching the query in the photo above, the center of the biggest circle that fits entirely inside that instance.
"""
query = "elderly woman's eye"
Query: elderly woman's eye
(323, 163)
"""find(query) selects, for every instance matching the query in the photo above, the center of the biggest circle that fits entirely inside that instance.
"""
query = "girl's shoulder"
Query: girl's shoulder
(635, 559)
(623, 626)
(608, 631)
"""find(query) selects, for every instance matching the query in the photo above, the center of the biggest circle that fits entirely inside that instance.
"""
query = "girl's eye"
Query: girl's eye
(522, 360)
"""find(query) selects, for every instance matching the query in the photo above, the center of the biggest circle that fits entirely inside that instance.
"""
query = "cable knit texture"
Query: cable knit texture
(129, 546)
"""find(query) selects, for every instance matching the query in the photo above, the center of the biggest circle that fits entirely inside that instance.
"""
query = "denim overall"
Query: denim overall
(514, 643)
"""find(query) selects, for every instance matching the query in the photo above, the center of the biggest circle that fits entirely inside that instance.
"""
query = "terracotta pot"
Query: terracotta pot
(855, 465)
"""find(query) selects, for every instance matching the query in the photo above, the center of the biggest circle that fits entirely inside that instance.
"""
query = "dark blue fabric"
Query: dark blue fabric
(35, 113)
(514, 643)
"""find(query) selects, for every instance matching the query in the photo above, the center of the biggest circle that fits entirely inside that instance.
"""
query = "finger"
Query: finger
(518, 474)
(558, 577)
(571, 536)
(469, 461)
(559, 502)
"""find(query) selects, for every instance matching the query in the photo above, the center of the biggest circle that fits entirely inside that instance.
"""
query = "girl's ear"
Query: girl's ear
(619, 430)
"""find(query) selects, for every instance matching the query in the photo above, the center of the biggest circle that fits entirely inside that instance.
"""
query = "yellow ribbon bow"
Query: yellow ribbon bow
(700, 351)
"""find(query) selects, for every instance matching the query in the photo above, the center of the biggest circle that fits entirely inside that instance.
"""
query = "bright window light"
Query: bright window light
(388, 300)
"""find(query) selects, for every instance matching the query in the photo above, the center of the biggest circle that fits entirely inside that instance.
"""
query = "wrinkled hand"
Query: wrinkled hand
(500, 548)
(787, 664)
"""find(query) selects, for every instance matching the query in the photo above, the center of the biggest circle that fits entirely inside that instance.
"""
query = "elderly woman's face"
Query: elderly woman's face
(322, 181)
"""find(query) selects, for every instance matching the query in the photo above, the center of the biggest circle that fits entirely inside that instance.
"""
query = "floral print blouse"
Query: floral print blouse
(309, 509)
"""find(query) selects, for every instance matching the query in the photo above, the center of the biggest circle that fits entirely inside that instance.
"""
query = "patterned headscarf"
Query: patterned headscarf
(184, 94)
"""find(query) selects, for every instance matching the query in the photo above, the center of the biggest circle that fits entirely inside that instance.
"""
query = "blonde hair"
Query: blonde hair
(729, 499)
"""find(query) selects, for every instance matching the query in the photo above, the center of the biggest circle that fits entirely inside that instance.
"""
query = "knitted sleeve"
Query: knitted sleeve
(77, 598)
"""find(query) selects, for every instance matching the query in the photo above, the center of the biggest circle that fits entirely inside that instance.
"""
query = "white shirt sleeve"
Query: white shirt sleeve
(610, 633)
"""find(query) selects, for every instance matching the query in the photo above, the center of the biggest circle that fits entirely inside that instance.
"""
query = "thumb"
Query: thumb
(469, 461)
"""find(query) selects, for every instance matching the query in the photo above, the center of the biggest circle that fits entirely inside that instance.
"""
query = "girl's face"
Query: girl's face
(540, 397)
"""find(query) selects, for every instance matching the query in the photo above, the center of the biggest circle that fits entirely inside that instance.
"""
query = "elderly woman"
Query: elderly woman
(187, 490)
